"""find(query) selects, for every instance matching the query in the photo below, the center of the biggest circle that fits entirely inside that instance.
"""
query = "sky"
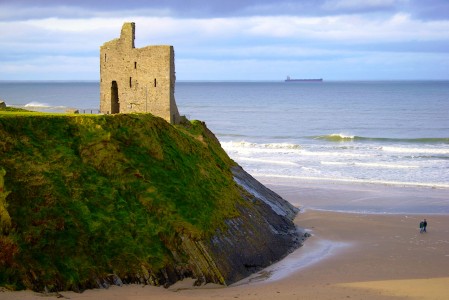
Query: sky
(232, 39)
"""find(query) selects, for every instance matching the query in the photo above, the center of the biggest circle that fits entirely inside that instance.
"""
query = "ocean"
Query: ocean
(381, 133)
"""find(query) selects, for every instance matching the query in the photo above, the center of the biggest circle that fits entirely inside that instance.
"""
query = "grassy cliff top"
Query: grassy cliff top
(90, 195)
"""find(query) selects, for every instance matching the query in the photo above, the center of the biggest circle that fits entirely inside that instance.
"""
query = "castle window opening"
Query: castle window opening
(130, 81)
(155, 82)
(135, 65)
(105, 57)
(115, 105)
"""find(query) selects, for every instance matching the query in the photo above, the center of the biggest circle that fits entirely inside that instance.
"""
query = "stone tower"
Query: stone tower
(137, 79)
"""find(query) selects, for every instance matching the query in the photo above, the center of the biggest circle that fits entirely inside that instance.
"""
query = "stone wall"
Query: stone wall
(137, 79)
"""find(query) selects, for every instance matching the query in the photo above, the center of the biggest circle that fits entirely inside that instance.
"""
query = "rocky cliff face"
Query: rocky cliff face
(90, 201)
(262, 234)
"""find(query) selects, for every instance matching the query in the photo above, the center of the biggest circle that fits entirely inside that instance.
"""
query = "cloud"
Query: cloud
(326, 31)
(348, 28)
(88, 34)
(359, 66)
(199, 9)
(429, 9)
(49, 67)
(356, 5)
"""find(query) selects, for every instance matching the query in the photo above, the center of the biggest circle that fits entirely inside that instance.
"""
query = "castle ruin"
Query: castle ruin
(136, 80)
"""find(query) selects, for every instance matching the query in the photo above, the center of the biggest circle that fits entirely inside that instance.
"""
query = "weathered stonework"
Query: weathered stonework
(137, 79)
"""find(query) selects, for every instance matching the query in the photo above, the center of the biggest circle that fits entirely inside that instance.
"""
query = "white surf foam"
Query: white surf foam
(247, 148)
(269, 161)
(244, 144)
(354, 180)
(415, 150)
(37, 104)
(370, 165)
(398, 165)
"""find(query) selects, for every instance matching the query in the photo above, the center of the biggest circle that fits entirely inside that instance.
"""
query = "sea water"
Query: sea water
(392, 133)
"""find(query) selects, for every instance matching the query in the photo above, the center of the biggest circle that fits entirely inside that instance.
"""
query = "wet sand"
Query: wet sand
(349, 256)
(360, 198)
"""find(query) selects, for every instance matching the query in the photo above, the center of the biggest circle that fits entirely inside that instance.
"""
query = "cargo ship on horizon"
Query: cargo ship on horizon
(304, 80)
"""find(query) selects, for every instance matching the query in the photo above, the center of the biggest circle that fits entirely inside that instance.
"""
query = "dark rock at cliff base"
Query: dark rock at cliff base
(263, 234)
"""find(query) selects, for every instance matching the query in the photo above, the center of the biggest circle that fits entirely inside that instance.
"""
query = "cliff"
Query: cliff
(88, 201)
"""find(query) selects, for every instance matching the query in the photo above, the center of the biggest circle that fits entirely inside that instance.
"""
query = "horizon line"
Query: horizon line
(214, 80)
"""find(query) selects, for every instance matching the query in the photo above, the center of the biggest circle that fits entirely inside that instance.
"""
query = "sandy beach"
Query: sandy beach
(349, 256)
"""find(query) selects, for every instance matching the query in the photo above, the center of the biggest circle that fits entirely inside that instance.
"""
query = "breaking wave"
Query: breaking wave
(269, 161)
(37, 104)
(441, 185)
(244, 144)
(339, 137)
(369, 165)
(415, 150)
(42, 107)
(398, 164)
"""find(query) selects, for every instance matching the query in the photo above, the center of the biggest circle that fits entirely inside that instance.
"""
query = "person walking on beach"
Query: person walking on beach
(421, 227)
(424, 225)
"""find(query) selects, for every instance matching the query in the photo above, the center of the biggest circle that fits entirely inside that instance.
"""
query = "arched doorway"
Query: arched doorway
(115, 105)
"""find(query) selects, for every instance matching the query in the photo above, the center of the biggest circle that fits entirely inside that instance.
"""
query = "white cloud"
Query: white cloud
(350, 28)
(51, 67)
(11, 11)
(362, 66)
(399, 27)
(357, 4)
(280, 52)
(204, 47)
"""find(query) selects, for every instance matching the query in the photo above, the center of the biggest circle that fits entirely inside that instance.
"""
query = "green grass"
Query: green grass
(87, 195)
(14, 111)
